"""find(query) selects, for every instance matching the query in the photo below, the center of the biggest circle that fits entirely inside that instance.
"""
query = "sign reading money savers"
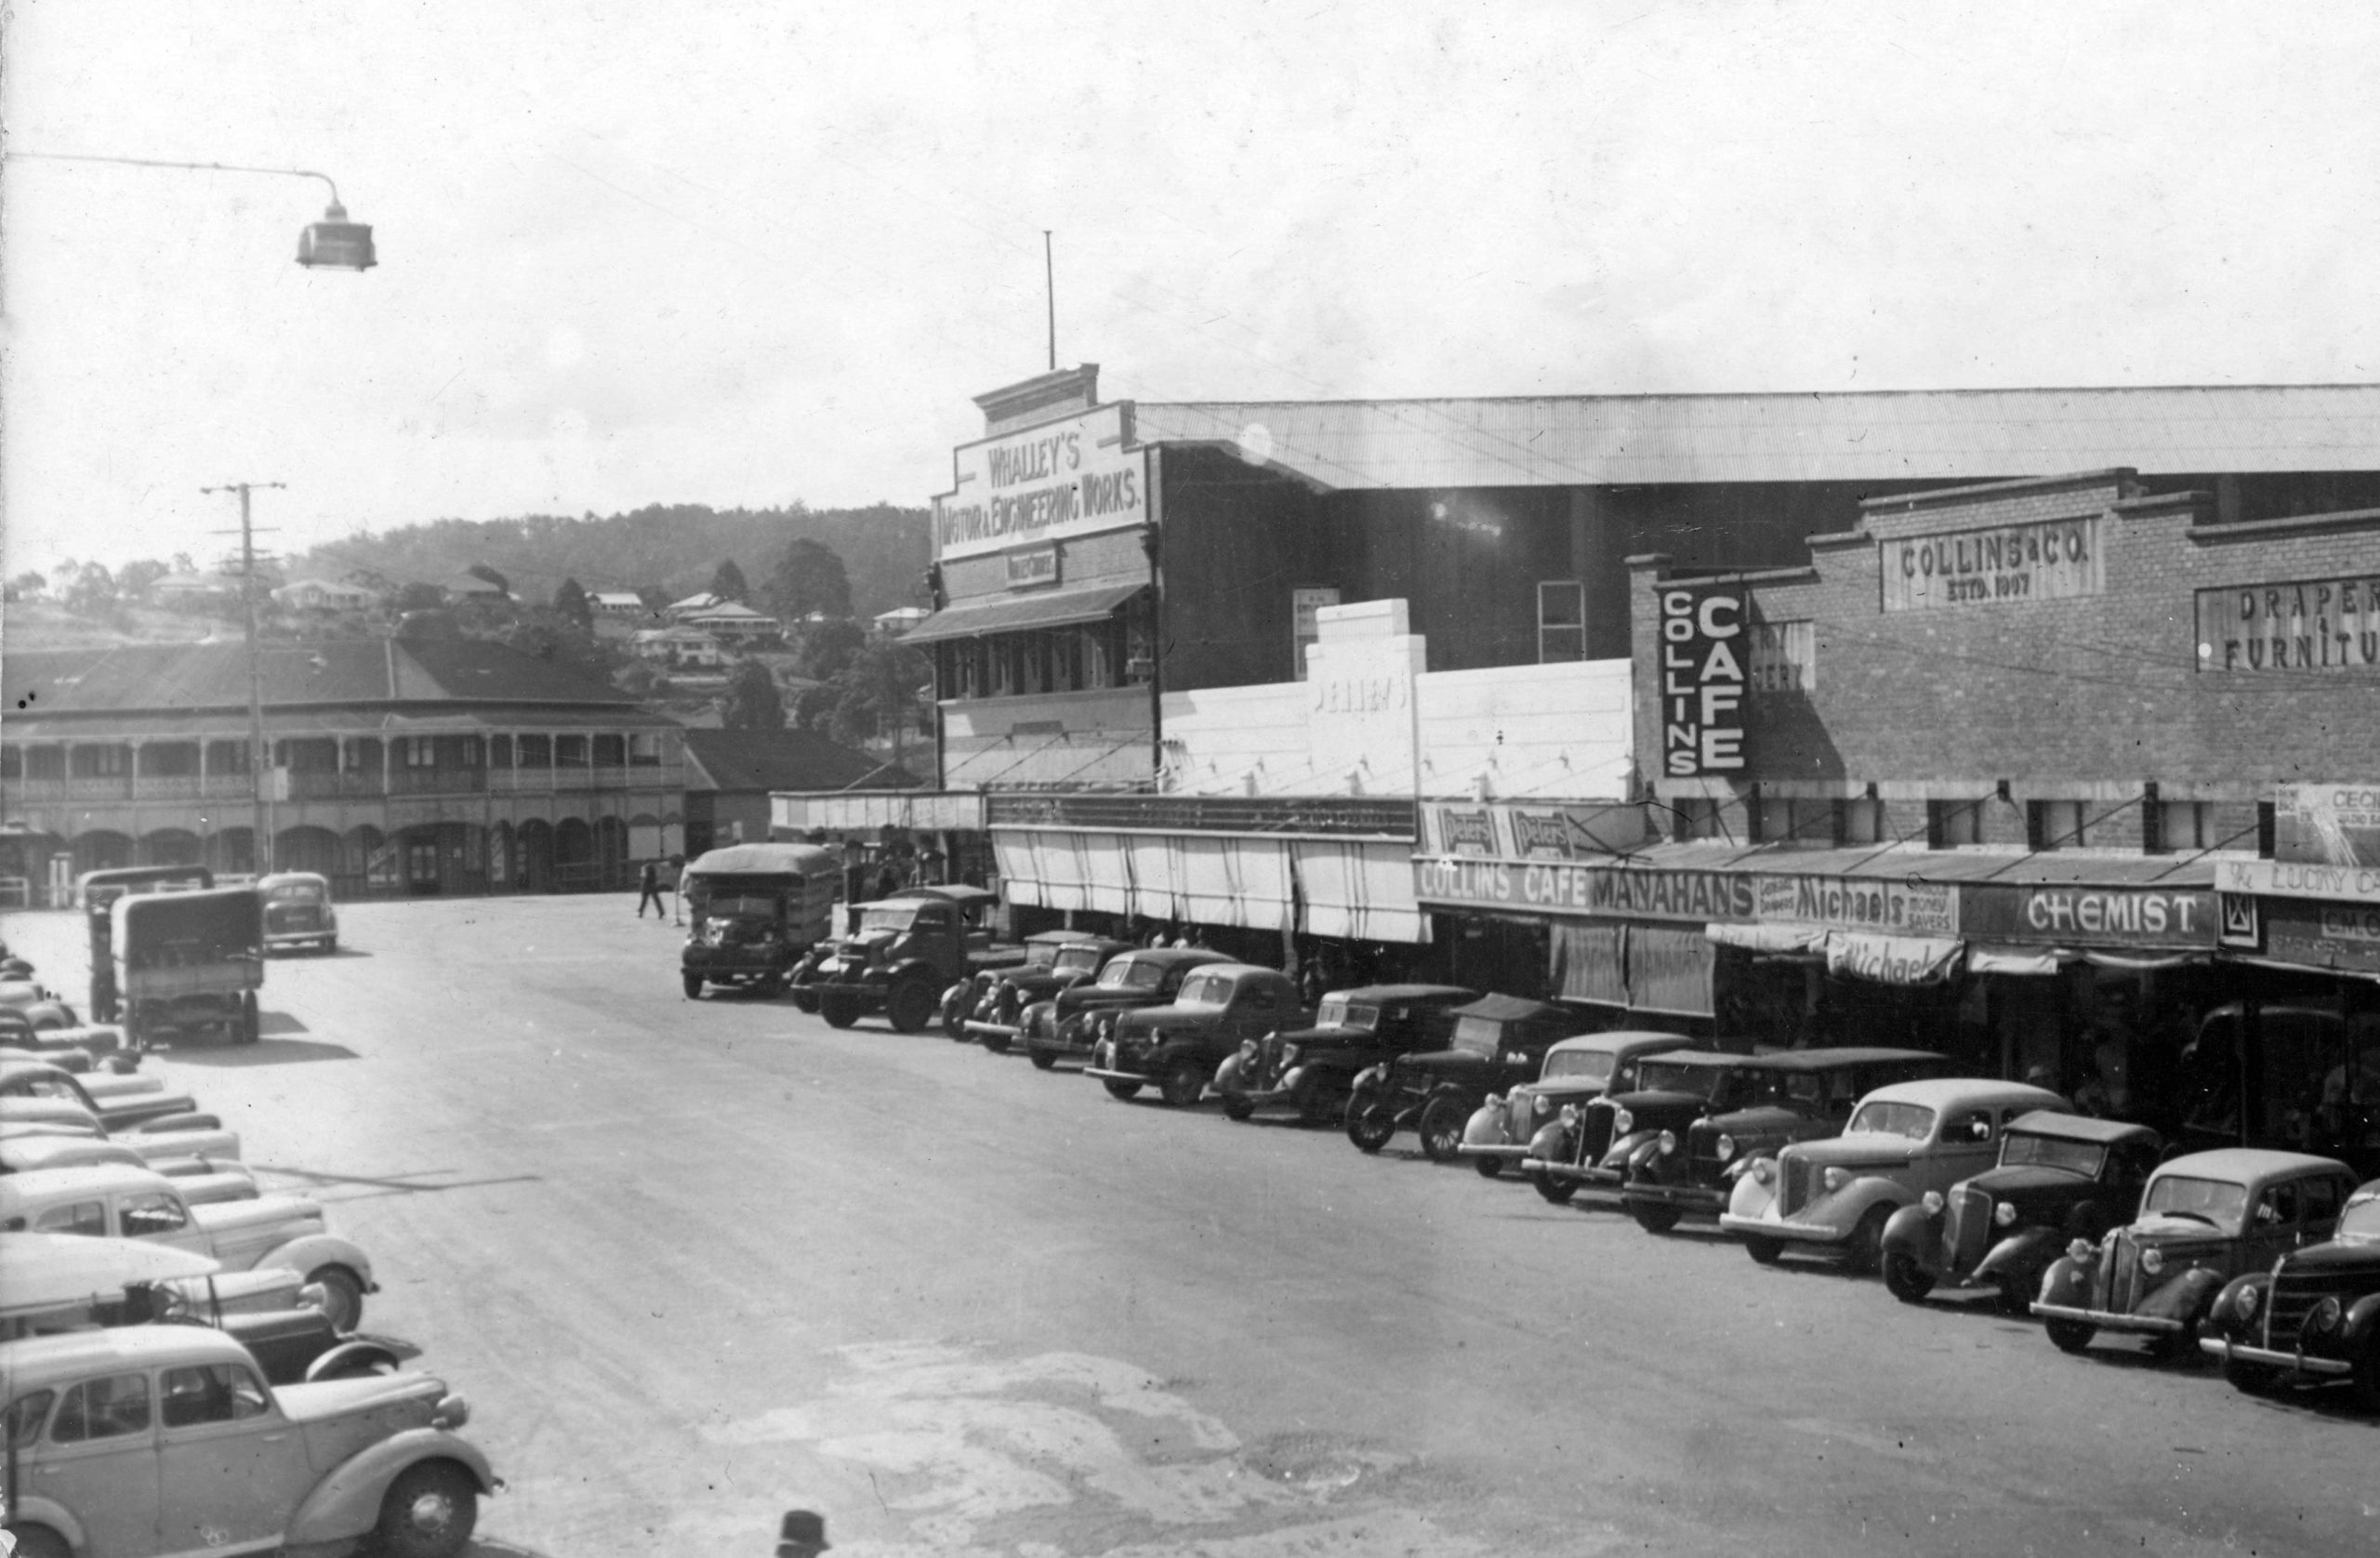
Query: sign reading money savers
(1046, 483)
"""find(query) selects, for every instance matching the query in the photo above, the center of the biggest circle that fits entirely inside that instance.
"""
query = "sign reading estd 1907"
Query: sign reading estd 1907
(1702, 681)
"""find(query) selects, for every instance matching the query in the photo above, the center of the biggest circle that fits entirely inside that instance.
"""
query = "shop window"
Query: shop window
(1783, 820)
(2055, 824)
(1561, 621)
(1951, 824)
(2267, 826)
(1859, 821)
(99, 762)
(1066, 660)
(2179, 826)
(1695, 816)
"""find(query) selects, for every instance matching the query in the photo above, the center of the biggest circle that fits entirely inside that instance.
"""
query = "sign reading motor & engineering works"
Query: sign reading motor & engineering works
(2049, 560)
(1060, 480)
(2314, 625)
(1705, 668)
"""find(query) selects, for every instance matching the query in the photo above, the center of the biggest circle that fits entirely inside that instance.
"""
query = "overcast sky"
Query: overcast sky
(732, 252)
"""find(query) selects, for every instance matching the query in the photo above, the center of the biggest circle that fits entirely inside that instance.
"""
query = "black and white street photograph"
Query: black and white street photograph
(1466, 779)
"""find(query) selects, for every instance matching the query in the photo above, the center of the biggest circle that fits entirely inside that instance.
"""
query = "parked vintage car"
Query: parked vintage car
(903, 952)
(298, 911)
(2060, 1177)
(44, 1010)
(1576, 1069)
(1313, 1070)
(162, 1142)
(145, 1440)
(2204, 1219)
(1834, 1196)
(200, 1179)
(1070, 1024)
(121, 1103)
(290, 1232)
(1176, 1048)
(2314, 1318)
(998, 1015)
(965, 998)
(1497, 1042)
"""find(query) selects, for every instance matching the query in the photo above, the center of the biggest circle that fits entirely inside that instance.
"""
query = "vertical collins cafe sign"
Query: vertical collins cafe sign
(1046, 484)
(1703, 666)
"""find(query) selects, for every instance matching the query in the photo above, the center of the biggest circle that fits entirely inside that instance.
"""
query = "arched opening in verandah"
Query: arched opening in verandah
(575, 867)
(100, 850)
(232, 851)
(611, 853)
(170, 846)
(502, 873)
(368, 867)
(533, 853)
(307, 849)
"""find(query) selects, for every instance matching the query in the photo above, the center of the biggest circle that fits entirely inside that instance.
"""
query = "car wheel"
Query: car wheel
(346, 1294)
(770, 987)
(1866, 1246)
(1763, 1249)
(2366, 1378)
(1905, 1279)
(999, 1044)
(1042, 1059)
(2251, 1379)
(39, 1541)
(1121, 1089)
(1237, 1108)
(1441, 1127)
(1369, 1125)
(841, 1012)
(1653, 1217)
(694, 983)
(1184, 1084)
(251, 1021)
(909, 1006)
(2015, 1296)
(805, 999)
(429, 1511)
(330, 945)
(2172, 1347)
(1488, 1167)
(1556, 1192)
(2070, 1336)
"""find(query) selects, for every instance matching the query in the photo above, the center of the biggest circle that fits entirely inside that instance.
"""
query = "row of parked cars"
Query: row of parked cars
(181, 1361)
(2267, 1260)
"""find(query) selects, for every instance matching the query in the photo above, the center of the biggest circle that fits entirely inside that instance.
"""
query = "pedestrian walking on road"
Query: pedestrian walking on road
(678, 872)
(803, 1534)
(649, 884)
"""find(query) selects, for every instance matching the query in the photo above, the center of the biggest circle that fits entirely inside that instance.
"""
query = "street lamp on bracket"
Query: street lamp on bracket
(333, 244)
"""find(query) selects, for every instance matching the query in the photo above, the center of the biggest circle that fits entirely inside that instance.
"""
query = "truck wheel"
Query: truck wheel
(39, 1541)
(1237, 1108)
(1184, 1085)
(841, 1012)
(693, 986)
(251, 1026)
(346, 1294)
(1905, 1279)
(429, 1511)
(2071, 1336)
(1441, 1129)
(2366, 1377)
(909, 1005)
(1043, 1059)
(1763, 1249)
(1557, 1191)
(1866, 1246)
(1652, 1215)
(1121, 1089)
(1369, 1125)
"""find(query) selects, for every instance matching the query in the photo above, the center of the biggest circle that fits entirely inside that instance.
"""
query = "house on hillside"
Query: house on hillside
(323, 595)
(701, 601)
(730, 773)
(471, 586)
(195, 592)
(399, 766)
(616, 603)
(678, 648)
(732, 624)
(899, 620)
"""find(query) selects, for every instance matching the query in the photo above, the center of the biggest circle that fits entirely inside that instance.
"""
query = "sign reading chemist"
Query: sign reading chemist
(1703, 678)
(1046, 484)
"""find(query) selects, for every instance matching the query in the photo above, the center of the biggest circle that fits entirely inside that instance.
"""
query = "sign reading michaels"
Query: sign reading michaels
(1075, 477)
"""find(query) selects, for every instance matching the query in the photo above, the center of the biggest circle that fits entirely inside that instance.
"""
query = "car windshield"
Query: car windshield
(1338, 1011)
(2218, 1201)
(1912, 1121)
(2023, 1149)
(2361, 1218)
(1480, 1036)
(1126, 975)
(296, 892)
(741, 908)
(1700, 1081)
(886, 917)
(1588, 1066)
(1078, 959)
(1205, 989)
(1042, 955)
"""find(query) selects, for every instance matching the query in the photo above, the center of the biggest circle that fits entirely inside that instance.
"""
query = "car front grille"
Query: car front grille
(1703, 1165)
(2120, 1283)
(1967, 1228)
(1793, 1192)
(1594, 1135)
(2295, 1295)
(1266, 1072)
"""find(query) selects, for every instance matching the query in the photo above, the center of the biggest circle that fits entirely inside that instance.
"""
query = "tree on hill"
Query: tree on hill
(727, 582)
(420, 597)
(828, 649)
(809, 577)
(482, 570)
(132, 580)
(752, 703)
(91, 591)
(28, 583)
(570, 602)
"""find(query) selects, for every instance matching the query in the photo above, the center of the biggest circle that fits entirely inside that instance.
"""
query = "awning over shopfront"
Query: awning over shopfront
(1011, 613)
(1358, 892)
(1654, 969)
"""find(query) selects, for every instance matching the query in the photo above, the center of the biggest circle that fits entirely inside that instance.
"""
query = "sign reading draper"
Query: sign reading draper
(1703, 678)
(1046, 484)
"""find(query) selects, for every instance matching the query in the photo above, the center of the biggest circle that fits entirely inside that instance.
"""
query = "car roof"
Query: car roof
(1827, 1060)
(89, 1178)
(1631, 1041)
(2080, 1128)
(1508, 1009)
(28, 1155)
(39, 1358)
(279, 876)
(1164, 956)
(1241, 970)
(2247, 1165)
(1058, 938)
(1950, 1092)
(1386, 994)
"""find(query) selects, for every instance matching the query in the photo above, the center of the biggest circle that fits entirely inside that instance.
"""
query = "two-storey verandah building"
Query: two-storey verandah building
(396, 766)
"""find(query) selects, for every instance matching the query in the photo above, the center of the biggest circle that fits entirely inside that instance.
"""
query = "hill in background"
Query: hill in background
(674, 548)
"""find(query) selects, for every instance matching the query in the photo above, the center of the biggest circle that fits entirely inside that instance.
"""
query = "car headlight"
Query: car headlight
(1835, 1179)
(2004, 1214)
(1933, 1203)
(1540, 1106)
(2244, 1302)
(2152, 1260)
(1493, 1101)
(1667, 1142)
(1726, 1147)
(1764, 1171)
(2325, 1319)
(1247, 1051)
(1622, 1122)
(1570, 1115)
(1288, 1056)
(2081, 1249)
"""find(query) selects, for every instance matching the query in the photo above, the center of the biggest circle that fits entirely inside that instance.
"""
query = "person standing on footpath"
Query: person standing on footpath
(649, 889)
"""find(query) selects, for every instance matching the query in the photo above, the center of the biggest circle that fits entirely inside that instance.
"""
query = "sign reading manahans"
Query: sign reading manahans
(1590, 890)
(1059, 479)
(2052, 560)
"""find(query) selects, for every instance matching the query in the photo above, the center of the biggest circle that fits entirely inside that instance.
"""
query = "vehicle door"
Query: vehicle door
(100, 1460)
(2319, 1209)
(231, 1467)
(2274, 1224)
(88, 1218)
(1255, 1010)
(160, 1215)
(1966, 1143)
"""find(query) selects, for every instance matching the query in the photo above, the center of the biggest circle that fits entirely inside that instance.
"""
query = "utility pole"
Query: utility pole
(1050, 290)
(259, 756)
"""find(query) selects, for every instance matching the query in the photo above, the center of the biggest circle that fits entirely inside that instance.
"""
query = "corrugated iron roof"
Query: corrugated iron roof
(1049, 608)
(783, 760)
(1914, 435)
(2049, 868)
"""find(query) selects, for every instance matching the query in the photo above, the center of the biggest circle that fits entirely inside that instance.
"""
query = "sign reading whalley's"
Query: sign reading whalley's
(1046, 484)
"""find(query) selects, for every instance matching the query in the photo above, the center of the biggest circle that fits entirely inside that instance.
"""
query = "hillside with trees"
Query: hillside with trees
(669, 551)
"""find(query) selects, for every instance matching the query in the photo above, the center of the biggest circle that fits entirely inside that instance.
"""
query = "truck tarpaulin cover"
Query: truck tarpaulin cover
(183, 928)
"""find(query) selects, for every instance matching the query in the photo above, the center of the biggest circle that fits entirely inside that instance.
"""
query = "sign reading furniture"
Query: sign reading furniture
(1046, 483)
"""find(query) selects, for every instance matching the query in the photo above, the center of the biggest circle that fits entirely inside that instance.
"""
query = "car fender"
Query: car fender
(370, 1351)
(1862, 1196)
(1227, 1075)
(909, 967)
(2224, 1312)
(159, 1146)
(2070, 1281)
(1751, 1198)
(1551, 1143)
(955, 993)
(2027, 1247)
(1642, 1156)
(311, 1252)
(2185, 1298)
(1369, 1078)
(346, 1503)
(1484, 1128)
(189, 1119)
(1916, 1234)
(31, 1509)
(2362, 1317)
(1291, 1079)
